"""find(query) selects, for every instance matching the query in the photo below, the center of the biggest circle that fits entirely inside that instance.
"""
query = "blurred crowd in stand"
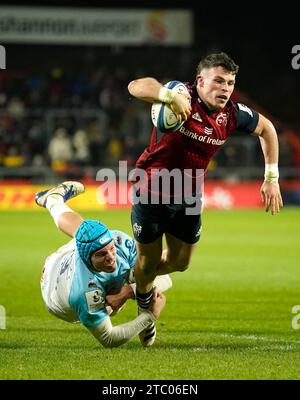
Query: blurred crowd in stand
(67, 121)
(76, 122)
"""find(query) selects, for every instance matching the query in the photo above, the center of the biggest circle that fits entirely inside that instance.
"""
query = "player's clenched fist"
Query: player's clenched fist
(181, 106)
(158, 303)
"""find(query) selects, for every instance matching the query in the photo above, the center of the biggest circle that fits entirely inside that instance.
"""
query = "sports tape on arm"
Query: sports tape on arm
(165, 95)
(114, 336)
(271, 172)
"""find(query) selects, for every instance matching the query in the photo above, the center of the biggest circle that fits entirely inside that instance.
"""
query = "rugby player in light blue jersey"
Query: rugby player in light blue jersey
(91, 277)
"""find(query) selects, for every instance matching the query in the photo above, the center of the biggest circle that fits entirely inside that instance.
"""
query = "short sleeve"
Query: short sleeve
(126, 245)
(90, 307)
(246, 118)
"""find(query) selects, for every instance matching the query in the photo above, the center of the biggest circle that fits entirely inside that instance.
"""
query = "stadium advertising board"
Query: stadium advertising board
(218, 195)
(77, 26)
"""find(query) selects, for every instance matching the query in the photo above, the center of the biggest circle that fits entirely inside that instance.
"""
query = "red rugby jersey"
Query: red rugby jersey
(194, 144)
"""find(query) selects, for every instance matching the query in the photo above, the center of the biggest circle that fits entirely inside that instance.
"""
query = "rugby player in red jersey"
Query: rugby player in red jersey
(210, 118)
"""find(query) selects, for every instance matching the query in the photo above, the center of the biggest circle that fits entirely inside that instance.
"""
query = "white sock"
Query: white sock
(162, 282)
(56, 206)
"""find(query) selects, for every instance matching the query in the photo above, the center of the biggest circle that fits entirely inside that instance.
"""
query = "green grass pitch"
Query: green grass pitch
(229, 316)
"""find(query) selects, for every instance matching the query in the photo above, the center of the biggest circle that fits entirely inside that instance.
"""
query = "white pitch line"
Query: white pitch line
(260, 338)
(255, 348)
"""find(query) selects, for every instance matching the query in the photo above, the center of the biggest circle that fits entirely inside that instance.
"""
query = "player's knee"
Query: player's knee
(182, 264)
(148, 268)
(183, 267)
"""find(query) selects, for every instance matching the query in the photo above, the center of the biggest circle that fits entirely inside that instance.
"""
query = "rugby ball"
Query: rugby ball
(162, 116)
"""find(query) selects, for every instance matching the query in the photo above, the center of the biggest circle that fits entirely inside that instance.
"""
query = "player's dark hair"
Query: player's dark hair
(218, 60)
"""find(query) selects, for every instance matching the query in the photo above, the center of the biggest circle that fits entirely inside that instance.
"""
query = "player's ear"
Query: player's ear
(199, 80)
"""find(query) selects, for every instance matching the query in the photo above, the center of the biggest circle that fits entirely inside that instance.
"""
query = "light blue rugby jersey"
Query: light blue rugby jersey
(88, 289)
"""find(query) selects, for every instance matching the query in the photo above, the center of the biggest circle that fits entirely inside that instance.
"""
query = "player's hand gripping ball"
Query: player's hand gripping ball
(162, 115)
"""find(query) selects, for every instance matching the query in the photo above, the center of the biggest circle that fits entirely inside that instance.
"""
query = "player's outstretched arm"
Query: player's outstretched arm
(149, 89)
(270, 191)
(146, 89)
(114, 336)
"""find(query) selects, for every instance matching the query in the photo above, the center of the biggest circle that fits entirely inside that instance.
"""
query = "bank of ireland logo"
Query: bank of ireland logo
(137, 229)
(2, 57)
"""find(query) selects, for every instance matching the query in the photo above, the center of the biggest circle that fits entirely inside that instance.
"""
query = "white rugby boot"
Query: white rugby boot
(67, 190)
(148, 335)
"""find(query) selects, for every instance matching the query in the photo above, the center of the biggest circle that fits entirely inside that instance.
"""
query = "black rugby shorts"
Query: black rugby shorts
(149, 222)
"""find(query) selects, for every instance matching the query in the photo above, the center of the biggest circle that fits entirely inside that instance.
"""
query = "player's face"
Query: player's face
(215, 86)
(104, 260)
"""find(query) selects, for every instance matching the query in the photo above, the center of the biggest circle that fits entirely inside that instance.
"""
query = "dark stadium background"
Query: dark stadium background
(259, 38)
